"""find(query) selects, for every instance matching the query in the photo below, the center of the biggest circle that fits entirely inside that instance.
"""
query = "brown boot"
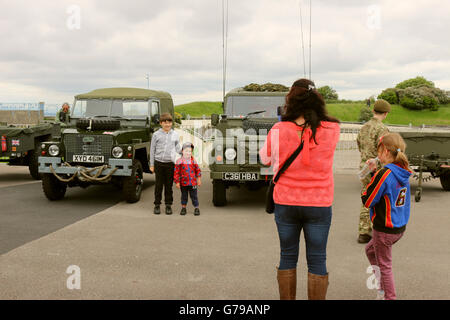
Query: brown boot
(317, 286)
(287, 283)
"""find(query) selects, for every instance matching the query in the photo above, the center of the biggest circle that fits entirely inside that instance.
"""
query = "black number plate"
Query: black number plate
(247, 176)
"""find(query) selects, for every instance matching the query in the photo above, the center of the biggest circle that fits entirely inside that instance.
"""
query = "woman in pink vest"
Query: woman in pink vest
(303, 194)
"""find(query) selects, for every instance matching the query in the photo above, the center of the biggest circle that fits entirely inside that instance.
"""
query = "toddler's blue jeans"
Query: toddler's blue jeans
(189, 191)
(315, 221)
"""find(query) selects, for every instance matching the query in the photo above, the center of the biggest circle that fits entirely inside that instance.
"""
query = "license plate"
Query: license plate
(250, 176)
(86, 158)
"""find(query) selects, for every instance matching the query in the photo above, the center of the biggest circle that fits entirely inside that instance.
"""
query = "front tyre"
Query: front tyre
(219, 193)
(132, 186)
(53, 188)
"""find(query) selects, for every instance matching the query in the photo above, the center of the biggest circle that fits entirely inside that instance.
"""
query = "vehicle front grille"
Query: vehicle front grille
(95, 145)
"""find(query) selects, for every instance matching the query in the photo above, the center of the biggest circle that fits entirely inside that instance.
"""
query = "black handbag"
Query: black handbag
(270, 204)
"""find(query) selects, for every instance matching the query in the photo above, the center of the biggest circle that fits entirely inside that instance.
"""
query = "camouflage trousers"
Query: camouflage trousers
(365, 225)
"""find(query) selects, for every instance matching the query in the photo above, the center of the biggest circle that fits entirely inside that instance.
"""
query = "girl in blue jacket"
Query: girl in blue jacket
(388, 196)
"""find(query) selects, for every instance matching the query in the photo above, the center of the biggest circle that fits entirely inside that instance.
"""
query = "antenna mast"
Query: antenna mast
(303, 45)
(310, 15)
(224, 45)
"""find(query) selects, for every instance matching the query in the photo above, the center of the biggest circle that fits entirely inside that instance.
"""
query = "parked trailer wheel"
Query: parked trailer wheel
(53, 188)
(33, 164)
(418, 195)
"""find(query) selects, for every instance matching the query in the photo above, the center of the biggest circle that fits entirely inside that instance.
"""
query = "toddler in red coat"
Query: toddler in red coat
(187, 177)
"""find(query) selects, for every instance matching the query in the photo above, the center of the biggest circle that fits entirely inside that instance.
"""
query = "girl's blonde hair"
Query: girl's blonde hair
(394, 143)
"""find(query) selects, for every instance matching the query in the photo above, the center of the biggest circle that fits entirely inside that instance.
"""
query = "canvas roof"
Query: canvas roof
(242, 92)
(124, 93)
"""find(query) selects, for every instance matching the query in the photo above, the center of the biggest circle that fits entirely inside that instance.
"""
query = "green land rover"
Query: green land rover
(106, 140)
(239, 134)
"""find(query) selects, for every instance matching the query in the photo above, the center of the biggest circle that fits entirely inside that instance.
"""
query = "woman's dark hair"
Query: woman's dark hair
(304, 100)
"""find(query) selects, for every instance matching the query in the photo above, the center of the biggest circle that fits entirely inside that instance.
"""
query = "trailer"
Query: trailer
(429, 152)
(20, 144)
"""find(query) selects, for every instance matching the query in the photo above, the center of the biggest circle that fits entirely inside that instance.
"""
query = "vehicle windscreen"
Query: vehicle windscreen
(110, 108)
(240, 106)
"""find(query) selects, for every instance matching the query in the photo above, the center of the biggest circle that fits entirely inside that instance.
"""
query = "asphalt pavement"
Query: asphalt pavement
(124, 251)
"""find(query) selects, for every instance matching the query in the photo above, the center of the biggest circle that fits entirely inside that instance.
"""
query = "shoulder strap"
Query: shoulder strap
(288, 162)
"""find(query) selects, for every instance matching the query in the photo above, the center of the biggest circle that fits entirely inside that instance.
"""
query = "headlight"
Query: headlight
(130, 148)
(230, 154)
(117, 152)
(53, 150)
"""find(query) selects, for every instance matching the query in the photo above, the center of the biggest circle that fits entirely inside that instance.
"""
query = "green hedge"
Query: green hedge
(390, 95)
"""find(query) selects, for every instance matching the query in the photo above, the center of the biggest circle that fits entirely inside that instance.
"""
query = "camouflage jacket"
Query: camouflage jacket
(368, 138)
(61, 116)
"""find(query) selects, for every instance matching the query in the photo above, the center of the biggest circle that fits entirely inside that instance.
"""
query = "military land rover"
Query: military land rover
(106, 140)
(19, 144)
(240, 132)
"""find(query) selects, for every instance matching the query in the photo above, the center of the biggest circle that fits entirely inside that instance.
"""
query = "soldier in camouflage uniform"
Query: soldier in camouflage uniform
(61, 115)
(367, 141)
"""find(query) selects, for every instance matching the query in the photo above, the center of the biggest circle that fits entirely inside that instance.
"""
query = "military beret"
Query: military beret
(382, 105)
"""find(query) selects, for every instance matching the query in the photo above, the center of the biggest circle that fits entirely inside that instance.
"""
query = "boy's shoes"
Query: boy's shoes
(183, 211)
(196, 212)
(157, 210)
(168, 210)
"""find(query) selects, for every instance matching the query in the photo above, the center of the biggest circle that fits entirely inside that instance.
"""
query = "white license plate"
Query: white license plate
(250, 176)
(86, 158)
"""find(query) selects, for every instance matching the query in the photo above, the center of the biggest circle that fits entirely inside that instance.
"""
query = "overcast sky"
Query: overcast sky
(358, 47)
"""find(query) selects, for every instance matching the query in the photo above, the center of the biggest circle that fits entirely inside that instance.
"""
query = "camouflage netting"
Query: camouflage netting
(267, 87)
(13, 131)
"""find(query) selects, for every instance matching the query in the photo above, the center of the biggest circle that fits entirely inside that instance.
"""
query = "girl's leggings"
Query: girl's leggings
(379, 253)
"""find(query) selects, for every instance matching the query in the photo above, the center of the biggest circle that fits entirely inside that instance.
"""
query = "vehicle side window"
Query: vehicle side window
(136, 109)
(80, 108)
(154, 108)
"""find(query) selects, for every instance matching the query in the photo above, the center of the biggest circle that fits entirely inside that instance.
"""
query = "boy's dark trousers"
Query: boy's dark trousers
(192, 192)
(164, 179)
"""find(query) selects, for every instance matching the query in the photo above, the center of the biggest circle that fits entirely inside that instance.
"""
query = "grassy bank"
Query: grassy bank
(344, 112)
(198, 109)
(398, 115)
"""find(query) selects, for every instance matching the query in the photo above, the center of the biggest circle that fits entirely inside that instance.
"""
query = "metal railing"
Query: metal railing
(347, 156)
